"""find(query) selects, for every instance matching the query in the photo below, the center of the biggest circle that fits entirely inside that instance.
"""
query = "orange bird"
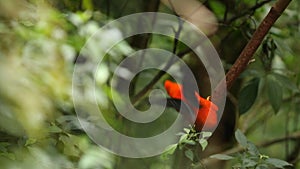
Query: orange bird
(205, 106)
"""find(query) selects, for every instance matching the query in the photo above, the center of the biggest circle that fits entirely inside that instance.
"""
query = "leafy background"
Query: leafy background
(40, 41)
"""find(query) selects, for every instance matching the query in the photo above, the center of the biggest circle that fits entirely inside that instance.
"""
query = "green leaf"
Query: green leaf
(87, 4)
(203, 142)
(248, 95)
(262, 166)
(183, 138)
(217, 7)
(189, 154)
(54, 129)
(30, 141)
(95, 157)
(10, 156)
(277, 162)
(285, 82)
(274, 91)
(3, 146)
(190, 142)
(252, 149)
(206, 134)
(237, 166)
(241, 138)
(170, 149)
(221, 157)
(249, 163)
(186, 130)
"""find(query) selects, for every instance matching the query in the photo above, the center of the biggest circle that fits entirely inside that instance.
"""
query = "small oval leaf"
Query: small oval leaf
(206, 134)
(248, 95)
(203, 142)
(221, 157)
(241, 138)
(170, 149)
(189, 154)
(248, 163)
(274, 92)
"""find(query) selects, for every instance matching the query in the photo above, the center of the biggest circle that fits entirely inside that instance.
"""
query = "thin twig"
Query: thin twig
(108, 9)
(294, 155)
(226, 12)
(156, 78)
(144, 41)
(246, 12)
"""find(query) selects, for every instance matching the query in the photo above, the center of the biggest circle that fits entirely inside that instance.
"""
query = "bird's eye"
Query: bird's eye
(208, 98)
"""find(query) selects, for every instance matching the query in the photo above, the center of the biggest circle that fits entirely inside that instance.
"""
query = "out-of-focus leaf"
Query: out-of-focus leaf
(79, 18)
(87, 5)
(183, 137)
(252, 149)
(221, 157)
(3, 146)
(170, 149)
(238, 165)
(241, 138)
(102, 74)
(218, 8)
(248, 163)
(10, 156)
(248, 95)
(262, 166)
(274, 91)
(54, 129)
(186, 130)
(285, 82)
(30, 141)
(206, 134)
(95, 157)
(70, 145)
(189, 154)
(203, 142)
(251, 73)
(278, 163)
(68, 52)
(190, 142)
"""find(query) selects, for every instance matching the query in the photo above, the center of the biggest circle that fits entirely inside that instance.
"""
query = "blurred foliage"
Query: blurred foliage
(251, 158)
(40, 44)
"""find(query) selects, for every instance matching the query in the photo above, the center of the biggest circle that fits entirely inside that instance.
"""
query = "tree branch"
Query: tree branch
(242, 62)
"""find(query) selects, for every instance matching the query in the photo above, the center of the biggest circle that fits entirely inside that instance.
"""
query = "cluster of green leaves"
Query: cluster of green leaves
(250, 158)
(189, 139)
(274, 83)
(39, 128)
(272, 80)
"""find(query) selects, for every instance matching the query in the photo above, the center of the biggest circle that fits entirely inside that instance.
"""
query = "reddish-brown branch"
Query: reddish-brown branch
(242, 62)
